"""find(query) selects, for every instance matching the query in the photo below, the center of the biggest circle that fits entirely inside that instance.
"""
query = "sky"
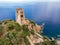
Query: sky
(24, 1)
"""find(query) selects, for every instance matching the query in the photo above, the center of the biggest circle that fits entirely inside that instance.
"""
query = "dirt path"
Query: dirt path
(30, 40)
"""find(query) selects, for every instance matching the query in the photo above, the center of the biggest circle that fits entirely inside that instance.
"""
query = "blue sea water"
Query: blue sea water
(48, 13)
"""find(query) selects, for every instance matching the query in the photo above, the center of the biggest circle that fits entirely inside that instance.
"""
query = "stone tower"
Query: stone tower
(20, 18)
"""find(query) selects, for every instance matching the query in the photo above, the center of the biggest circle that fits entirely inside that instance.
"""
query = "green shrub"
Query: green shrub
(10, 35)
(32, 31)
(18, 27)
(26, 41)
(25, 31)
(10, 26)
(32, 22)
(1, 29)
(53, 42)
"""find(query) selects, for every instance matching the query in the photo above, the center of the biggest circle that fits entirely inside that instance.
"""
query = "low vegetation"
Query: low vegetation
(11, 33)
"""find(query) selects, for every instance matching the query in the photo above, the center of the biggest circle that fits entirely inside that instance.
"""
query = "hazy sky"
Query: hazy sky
(29, 1)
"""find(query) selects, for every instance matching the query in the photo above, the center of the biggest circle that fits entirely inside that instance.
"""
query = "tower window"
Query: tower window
(21, 15)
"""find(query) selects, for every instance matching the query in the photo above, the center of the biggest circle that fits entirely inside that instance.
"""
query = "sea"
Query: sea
(47, 13)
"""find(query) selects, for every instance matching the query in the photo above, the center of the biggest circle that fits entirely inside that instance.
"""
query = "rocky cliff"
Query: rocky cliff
(11, 33)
